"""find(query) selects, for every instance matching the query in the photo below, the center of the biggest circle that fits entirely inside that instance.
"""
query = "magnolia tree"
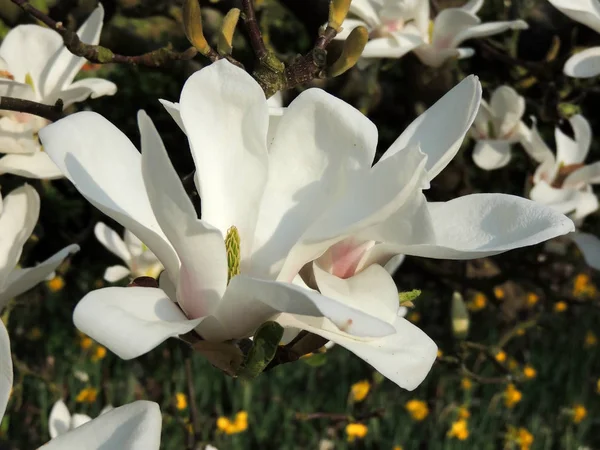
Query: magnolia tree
(289, 227)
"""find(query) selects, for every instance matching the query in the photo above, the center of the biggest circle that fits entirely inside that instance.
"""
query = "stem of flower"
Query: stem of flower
(50, 112)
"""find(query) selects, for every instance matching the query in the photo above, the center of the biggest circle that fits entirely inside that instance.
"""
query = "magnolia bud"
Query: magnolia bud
(353, 48)
(338, 10)
(225, 43)
(460, 317)
(192, 25)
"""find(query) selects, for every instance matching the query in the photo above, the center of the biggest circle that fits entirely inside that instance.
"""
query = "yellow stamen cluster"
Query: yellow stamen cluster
(519, 436)
(529, 372)
(417, 409)
(560, 307)
(99, 353)
(532, 299)
(500, 356)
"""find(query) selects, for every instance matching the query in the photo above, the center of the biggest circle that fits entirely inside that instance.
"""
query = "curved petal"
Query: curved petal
(113, 274)
(508, 107)
(135, 426)
(472, 6)
(79, 419)
(6, 369)
(435, 57)
(37, 165)
(586, 174)
(394, 46)
(249, 302)
(561, 200)
(588, 204)
(586, 12)
(534, 145)
(27, 50)
(64, 65)
(59, 421)
(347, 26)
(574, 151)
(449, 24)
(16, 89)
(589, 245)
(111, 241)
(366, 10)
(405, 357)
(487, 29)
(491, 155)
(130, 321)
(441, 129)
(16, 137)
(585, 64)
(82, 89)
(321, 146)
(479, 225)
(174, 112)
(21, 280)
(226, 117)
(106, 169)
(200, 247)
(20, 212)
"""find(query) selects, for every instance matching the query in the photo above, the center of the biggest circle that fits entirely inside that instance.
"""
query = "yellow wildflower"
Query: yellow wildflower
(414, 316)
(85, 343)
(356, 431)
(459, 430)
(512, 396)
(524, 438)
(466, 384)
(236, 426)
(241, 421)
(478, 303)
(590, 339)
(56, 284)
(397, 447)
(417, 409)
(500, 356)
(529, 372)
(532, 299)
(180, 401)
(499, 293)
(579, 413)
(583, 287)
(463, 413)
(99, 353)
(224, 424)
(87, 395)
(440, 353)
(359, 390)
(560, 306)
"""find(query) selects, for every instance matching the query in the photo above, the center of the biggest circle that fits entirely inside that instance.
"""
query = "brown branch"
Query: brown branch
(256, 40)
(189, 376)
(50, 112)
(102, 55)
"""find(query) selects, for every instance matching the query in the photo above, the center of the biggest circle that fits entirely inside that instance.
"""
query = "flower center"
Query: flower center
(232, 247)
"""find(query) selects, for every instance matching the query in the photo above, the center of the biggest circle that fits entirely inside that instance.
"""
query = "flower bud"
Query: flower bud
(192, 25)
(225, 43)
(353, 48)
(338, 10)
(460, 317)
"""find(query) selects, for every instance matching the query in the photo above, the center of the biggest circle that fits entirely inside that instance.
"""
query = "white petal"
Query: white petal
(366, 10)
(111, 241)
(320, 147)
(435, 57)
(574, 151)
(6, 369)
(135, 426)
(16, 137)
(448, 24)
(588, 204)
(585, 64)
(508, 107)
(59, 421)
(487, 29)
(36, 165)
(393, 264)
(347, 26)
(113, 274)
(561, 200)
(589, 245)
(248, 302)
(392, 47)
(130, 321)
(534, 145)
(64, 65)
(473, 6)
(82, 89)
(27, 49)
(586, 12)
(586, 174)
(491, 155)
(200, 247)
(404, 357)
(174, 112)
(21, 208)
(479, 225)
(226, 118)
(440, 130)
(79, 419)
(10, 88)
(21, 280)
(106, 169)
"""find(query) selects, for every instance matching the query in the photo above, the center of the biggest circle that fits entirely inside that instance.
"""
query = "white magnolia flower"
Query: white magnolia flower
(35, 65)
(564, 182)
(61, 421)
(293, 188)
(19, 212)
(496, 127)
(584, 64)
(139, 260)
(397, 27)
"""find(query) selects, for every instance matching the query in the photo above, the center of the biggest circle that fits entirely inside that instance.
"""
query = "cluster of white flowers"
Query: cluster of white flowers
(317, 227)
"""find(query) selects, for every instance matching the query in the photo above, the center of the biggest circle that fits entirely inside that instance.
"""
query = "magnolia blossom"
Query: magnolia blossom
(139, 260)
(583, 64)
(496, 127)
(283, 191)
(61, 421)
(19, 212)
(35, 65)
(564, 181)
(397, 27)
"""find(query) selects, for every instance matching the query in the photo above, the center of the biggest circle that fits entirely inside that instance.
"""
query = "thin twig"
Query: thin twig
(189, 376)
(102, 55)
(50, 112)
(256, 40)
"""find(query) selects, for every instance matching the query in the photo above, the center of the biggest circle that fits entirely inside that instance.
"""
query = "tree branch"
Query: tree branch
(256, 40)
(50, 112)
(102, 55)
